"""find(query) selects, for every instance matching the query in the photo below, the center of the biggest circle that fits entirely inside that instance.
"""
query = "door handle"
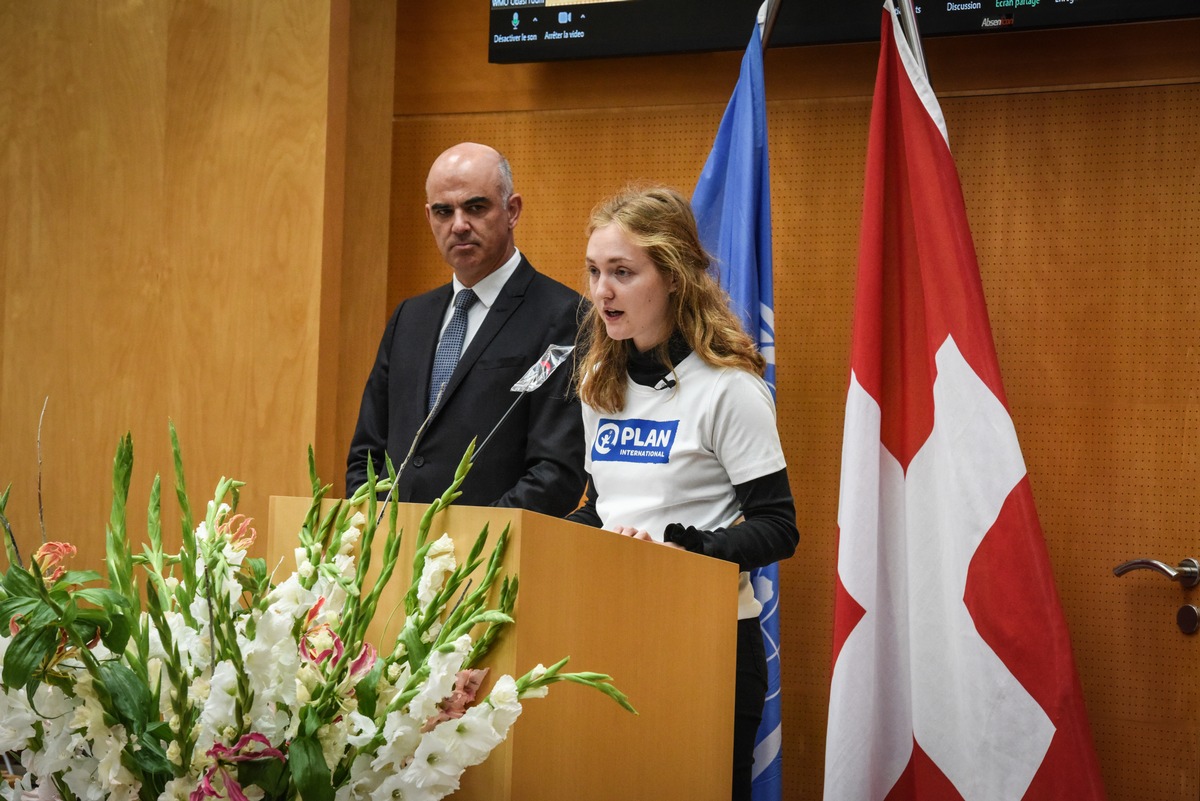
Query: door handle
(1187, 574)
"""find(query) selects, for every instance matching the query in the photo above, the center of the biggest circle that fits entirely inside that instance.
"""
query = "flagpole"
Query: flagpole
(767, 14)
(908, 21)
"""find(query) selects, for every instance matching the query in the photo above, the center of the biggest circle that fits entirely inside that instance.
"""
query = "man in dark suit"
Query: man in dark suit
(508, 317)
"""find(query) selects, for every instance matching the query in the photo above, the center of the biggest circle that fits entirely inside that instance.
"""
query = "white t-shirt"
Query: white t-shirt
(674, 455)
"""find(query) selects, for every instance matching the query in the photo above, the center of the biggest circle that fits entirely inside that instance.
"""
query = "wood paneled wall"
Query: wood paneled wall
(176, 196)
(1078, 156)
(201, 222)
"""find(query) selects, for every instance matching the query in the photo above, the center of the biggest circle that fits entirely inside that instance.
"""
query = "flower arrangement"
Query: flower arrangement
(194, 675)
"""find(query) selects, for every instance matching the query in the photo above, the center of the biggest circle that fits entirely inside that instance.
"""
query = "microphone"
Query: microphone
(665, 383)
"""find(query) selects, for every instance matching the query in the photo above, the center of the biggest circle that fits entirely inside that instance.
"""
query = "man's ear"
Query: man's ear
(515, 204)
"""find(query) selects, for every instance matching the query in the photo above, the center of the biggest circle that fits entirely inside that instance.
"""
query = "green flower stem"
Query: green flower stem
(597, 681)
(189, 585)
(117, 554)
(10, 542)
(483, 645)
(222, 628)
(187, 714)
(448, 497)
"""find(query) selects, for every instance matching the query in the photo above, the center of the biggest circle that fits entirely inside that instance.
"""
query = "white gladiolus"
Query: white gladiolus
(433, 767)
(505, 703)
(361, 729)
(225, 677)
(351, 536)
(538, 671)
(439, 562)
(16, 720)
(177, 790)
(401, 734)
(400, 787)
(332, 737)
(110, 773)
(443, 668)
(290, 599)
(219, 708)
(470, 738)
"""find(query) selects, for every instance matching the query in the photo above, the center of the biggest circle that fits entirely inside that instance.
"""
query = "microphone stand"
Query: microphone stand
(499, 422)
(534, 377)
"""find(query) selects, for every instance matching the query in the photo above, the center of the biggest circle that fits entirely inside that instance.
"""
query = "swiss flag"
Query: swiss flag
(952, 668)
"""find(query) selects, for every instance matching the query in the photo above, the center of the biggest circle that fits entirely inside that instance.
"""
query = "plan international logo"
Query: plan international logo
(646, 441)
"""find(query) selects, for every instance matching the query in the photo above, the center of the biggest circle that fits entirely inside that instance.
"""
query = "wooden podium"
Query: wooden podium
(660, 621)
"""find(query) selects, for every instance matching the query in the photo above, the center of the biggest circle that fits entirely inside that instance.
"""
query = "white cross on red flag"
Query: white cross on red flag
(952, 669)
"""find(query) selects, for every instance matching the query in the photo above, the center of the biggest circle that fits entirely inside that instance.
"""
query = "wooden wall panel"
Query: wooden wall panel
(166, 179)
(1085, 207)
(85, 255)
(364, 268)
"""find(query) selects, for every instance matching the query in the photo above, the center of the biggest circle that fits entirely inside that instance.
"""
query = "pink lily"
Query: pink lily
(238, 532)
(49, 558)
(311, 632)
(466, 687)
(225, 756)
(362, 663)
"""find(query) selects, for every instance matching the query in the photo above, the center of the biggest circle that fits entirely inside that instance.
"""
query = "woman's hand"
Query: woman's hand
(640, 534)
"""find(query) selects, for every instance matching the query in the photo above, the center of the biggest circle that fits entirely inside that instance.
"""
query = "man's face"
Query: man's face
(471, 224)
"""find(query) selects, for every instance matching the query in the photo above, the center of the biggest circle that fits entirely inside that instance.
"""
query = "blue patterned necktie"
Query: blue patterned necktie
(450, 348)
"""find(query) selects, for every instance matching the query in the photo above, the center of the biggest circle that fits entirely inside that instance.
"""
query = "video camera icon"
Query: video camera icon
(564, 17)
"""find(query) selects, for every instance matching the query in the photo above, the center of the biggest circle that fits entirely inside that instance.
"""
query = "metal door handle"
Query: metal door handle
(1187, 574)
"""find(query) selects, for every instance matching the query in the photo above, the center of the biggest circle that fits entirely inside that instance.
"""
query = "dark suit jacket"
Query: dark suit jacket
(535, 459)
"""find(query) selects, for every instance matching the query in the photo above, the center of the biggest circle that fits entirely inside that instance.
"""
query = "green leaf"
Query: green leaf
(268, 773)
(415, 649)
(30, 648)
(603, 686)
(187, 551)
(39, 616)
(130, 697)
(78, 577)
(109, 600)
(19, 581)
(312, 471)
(367, 689)
(116, 635)
(152, 758)
(11, 607)
(69, 614)
(309, 771)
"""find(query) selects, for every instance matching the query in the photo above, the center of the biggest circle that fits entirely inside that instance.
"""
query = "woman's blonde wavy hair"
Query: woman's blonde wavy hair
(660, 221)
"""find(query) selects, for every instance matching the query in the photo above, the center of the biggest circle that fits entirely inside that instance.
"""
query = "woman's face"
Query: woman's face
(631, 295)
